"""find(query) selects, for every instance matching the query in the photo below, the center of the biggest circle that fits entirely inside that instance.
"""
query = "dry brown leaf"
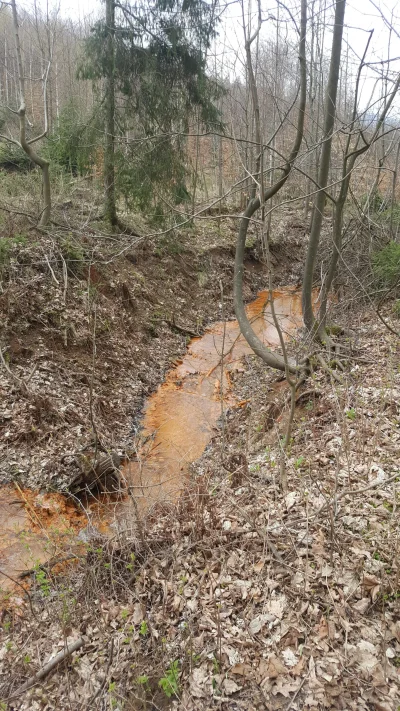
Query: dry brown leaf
(230, 687)
(272, 668)
(257, 567)
(290, 639)
(297, 670)
(366, 656)
(362, 605)
(286, 688)
(276, 606)
(257, 623)
(382, 706)
(378, 676)
(372, 585)
(139, 612)
(395, 629)
(242, 670)
(198, 683)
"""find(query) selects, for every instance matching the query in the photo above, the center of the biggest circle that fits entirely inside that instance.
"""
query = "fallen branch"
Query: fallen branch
(49, 565)
(47, 668)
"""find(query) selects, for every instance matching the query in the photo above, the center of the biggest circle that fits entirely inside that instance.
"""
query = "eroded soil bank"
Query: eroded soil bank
(178, 423)
(132, 307)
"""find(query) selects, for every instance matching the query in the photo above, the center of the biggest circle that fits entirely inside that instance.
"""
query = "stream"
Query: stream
(178, 423)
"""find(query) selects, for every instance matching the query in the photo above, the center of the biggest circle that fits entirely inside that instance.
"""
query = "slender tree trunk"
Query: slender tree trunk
(349, 160)
(329, 121)
(109, 144)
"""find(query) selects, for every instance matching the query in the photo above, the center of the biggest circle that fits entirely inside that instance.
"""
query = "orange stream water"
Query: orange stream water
(178, 422)
(179, 418)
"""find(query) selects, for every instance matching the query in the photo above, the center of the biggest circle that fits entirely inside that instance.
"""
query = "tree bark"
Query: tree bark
(323, 174)
(109, 144)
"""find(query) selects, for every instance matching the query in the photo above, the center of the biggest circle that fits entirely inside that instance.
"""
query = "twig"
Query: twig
(51, 271)
(351, 492)
(221, 286)
(21, 384)
(47, 668)
(181, 329)
(293, 699)
(93, 315)
(327, 369)
(49, 564)
(65, 276)
(30, 508)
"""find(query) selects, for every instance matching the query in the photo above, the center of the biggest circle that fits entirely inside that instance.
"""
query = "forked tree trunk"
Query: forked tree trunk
(25, 144)
(272, 359)
(325, 159)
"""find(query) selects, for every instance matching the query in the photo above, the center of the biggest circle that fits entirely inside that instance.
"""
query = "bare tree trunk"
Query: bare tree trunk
(109, 147)
(272, 359)
(329, 121)
(25, 144)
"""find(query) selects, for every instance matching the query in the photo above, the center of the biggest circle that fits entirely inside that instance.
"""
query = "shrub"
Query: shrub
(170, 681)
(74, 256)
(386, 265)
(14, 159)
(72, 145)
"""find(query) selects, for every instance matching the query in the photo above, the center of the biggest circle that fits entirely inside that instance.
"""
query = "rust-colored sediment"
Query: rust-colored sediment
(178, 422)
(34, 527)
(180, 416)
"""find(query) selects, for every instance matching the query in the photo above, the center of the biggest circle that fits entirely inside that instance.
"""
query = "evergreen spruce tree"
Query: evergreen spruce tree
(151, 60)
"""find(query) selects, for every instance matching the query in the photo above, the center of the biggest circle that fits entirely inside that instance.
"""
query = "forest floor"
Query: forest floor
(238, 596)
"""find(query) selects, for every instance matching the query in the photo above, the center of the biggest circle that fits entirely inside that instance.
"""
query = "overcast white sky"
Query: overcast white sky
(361, 16)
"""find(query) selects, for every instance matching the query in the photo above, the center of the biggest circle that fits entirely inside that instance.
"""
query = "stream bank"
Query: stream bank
(179, 420)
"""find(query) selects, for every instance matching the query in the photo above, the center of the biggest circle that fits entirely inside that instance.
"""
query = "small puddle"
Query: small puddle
(178, 423)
